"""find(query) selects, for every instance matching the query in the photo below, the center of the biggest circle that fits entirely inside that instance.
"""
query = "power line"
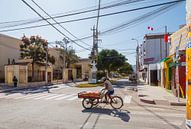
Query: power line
(92, 17)
(71, 14)
(140, 18)
(51, 23)
(135, 20)
(58, 23)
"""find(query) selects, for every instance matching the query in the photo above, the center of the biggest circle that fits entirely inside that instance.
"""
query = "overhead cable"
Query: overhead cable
(58, 23)
(52, 24)
(26, 22)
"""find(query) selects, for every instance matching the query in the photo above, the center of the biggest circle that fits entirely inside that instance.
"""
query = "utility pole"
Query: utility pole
(46, 67)
(137, 59)
(65, 52)
(94, 52)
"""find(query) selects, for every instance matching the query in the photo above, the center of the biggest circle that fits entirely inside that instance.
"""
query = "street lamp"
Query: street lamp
(137, 58)
(136, 41)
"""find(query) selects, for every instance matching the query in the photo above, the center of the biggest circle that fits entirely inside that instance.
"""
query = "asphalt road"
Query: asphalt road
(61, 109)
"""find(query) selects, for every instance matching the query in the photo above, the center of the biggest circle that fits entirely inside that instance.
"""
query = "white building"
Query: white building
(151, 52)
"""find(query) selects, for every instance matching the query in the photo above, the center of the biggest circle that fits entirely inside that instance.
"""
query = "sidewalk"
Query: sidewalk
(158, 95)
(4, 88)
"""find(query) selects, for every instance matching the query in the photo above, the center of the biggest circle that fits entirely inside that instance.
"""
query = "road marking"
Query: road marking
(73, 98)
(64, 97)
(127, 99)
(46, 95)
(56, 96)
(34, 96)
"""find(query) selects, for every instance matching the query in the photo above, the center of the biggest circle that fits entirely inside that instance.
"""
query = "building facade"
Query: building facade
(173, 72)
(151, 52)
(9, 52)
(76, 71)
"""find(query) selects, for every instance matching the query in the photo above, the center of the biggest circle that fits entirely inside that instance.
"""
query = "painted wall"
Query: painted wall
(188, 11)
(154, 49)
(178, 38)
(9, 48)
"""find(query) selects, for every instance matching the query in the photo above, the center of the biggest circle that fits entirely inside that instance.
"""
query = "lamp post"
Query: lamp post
(137, 59)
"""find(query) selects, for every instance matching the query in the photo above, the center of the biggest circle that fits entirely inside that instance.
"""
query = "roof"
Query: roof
(7, 36)
(27, 62)
(155, 35)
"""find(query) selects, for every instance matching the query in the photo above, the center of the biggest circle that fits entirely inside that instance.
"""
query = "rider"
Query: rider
(108, 86)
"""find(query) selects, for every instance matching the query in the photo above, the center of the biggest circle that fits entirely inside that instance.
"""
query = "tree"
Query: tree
(110, 60)
(126, 69)
(35, 48)
(69, 56)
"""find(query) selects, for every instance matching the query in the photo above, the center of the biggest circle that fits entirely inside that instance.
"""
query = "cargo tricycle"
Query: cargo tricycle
(92, 98)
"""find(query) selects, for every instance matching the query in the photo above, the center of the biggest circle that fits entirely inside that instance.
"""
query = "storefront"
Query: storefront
(179, 76)
(166, 72)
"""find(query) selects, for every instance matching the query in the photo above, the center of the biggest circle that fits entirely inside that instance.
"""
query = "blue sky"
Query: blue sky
(121, 41)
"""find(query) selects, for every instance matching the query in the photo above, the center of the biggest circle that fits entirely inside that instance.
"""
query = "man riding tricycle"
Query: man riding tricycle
(92, 98)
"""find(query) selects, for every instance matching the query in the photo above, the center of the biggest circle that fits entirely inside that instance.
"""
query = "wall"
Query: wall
(9, 48)
(178, 38)
(188, 11)
(85, 67)
(154, 49)
(16, 70)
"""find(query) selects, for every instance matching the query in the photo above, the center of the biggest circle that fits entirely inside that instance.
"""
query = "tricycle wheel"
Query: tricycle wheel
(116, 102)
(87, 103)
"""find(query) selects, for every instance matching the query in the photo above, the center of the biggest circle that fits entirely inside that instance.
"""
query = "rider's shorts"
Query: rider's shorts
(110, 92)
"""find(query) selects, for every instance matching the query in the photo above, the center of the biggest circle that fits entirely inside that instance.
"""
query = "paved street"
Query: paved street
(59, 108)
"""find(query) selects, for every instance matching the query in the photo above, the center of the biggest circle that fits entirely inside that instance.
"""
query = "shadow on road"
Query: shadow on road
(122, 114)
(31, 90)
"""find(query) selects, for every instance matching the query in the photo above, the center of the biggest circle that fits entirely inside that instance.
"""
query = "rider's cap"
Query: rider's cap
(103, 79)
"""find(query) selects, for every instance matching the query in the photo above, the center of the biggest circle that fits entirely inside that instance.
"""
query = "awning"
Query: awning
(165, 59)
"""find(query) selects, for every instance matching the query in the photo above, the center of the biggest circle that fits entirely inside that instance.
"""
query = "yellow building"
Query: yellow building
(178, 39)
(23, 72)
(77, 71)
(82, 68)
(9, 50)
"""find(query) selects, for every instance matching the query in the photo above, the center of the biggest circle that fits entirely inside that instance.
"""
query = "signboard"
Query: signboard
(147, 60)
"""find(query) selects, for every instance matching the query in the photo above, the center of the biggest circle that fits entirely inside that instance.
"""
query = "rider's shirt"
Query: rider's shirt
(108, 85)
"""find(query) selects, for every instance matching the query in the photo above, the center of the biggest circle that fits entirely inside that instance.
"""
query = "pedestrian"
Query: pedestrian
(72, 78)
(15, 81)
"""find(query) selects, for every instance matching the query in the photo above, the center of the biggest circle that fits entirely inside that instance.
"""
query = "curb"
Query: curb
(177, 104)
(149, 101)
(161, 102)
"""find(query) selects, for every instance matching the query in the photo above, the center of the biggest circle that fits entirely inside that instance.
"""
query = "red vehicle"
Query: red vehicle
(92, 98)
